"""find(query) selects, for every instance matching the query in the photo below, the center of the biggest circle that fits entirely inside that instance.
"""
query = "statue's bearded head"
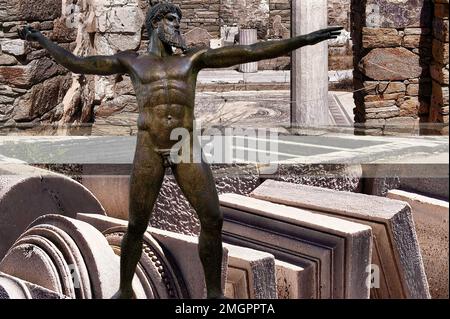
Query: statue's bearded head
(164, 18)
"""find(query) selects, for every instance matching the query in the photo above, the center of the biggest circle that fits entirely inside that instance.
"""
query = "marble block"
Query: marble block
(338, 251)
(397, 266)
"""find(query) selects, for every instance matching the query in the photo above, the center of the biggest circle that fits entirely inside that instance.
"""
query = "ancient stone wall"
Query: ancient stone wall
(32, 86)
(439, 68)
(34, 90)
(392, 56)
(200, 14)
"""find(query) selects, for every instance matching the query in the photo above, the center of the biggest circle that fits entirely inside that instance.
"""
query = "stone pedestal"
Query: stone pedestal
(309, 75)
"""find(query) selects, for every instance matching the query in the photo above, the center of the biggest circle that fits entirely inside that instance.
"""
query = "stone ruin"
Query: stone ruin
(37, 93)
(282, 240)
(401, 66)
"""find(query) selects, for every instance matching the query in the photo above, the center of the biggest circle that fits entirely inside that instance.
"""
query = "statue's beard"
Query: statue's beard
(172, 38)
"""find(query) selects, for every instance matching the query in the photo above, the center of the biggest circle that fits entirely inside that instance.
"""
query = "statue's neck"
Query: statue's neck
(157, 47)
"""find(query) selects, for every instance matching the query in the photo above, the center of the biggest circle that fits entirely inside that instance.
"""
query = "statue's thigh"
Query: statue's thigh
(197, 183)
(146, 179)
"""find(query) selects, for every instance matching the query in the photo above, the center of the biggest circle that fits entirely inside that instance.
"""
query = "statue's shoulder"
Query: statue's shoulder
(196, 51)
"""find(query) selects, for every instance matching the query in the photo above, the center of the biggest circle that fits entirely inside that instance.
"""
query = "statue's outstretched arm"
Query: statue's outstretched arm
(232, 55)
(101, 65)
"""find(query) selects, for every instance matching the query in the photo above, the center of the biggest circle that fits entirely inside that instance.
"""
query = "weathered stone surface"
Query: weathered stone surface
(38, 292)
(45, 192)
(8, 91)
(441, 10)
(293, 282)
(391, 64)
(379, 104)
(250, 274)
(278, 30)
(183, 249)
(42, 98)
(65, 279)
(396, 251)
(338, 177)
(439, 73)
(127, 19)
(14, 10)
(416, 31)
(15, 47)
(407, 125)
(410, 107)
(338, 13)
(382, 112)
(381, 38)
(102, 264)
(15, 288)
(198, 37)
(6, 59)
(62, 31)
(413, 89)
(253, 14)
(286, 231)
(384, 87)
(440, 95)
(431, 217)
(383, 97)
(71, 255)
(398, 13)
(416, 41)
(25, 76)
(111, 43)
(441, 29)
(374, 123)
(440, 51)
(31, 263)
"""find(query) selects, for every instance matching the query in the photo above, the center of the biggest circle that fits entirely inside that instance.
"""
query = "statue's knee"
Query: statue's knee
(136, 230)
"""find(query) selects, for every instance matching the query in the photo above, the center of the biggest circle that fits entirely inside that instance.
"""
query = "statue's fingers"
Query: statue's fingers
(331, 29)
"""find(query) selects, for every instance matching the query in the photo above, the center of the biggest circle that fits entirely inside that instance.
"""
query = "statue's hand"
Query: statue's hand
(29, 34)
(325, 34)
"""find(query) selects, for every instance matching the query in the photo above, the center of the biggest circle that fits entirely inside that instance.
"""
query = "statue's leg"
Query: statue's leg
(146, 179)
(197, 183)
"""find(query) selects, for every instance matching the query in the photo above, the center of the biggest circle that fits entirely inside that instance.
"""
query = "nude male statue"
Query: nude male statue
(164, 83)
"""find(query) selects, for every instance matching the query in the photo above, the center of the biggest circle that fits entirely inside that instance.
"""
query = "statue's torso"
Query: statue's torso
(165, 92)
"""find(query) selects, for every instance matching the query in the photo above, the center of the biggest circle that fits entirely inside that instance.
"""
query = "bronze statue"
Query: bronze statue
(164, 83)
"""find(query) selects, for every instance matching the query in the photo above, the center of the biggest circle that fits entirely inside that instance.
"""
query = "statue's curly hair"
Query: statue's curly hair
(158, 11)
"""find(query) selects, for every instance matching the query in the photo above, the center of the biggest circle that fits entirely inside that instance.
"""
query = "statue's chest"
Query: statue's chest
(149, 70)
